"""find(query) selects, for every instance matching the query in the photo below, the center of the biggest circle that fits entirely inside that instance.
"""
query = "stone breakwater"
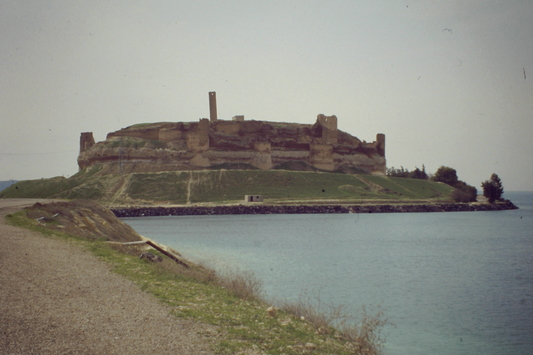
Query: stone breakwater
(292, 209)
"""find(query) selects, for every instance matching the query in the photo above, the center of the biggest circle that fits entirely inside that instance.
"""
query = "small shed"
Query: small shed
(253, 198)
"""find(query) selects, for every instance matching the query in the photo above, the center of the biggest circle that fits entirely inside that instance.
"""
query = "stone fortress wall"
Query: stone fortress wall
(213, 143)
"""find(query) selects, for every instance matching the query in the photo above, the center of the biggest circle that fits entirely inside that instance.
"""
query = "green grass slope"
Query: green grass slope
(229, 186)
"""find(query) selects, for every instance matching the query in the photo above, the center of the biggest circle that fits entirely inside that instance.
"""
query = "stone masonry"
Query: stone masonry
(233, 144)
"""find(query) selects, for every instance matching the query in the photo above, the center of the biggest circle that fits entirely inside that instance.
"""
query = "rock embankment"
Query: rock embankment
(293, 209)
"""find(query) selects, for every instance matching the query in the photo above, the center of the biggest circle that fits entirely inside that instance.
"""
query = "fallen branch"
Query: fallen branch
(128, 243)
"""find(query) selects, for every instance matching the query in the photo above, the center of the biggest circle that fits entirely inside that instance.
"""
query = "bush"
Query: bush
(244, 285)
(463, 192)
(466, 193)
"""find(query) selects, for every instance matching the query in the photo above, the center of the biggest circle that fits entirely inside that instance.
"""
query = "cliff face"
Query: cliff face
(233, 144)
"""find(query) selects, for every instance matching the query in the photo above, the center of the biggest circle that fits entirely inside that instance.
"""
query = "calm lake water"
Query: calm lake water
(452, 283)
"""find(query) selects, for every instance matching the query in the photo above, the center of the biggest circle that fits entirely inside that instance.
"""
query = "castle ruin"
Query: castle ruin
(233, 144)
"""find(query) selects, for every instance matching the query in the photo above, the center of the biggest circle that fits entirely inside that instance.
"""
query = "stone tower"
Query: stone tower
(380, 144)
(86, 141)
(212, 106)
(329, 128)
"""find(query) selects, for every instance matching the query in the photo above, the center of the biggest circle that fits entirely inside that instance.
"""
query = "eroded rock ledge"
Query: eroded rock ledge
(293, 209)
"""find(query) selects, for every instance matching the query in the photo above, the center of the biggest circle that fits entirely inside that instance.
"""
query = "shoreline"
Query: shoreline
(152, 211)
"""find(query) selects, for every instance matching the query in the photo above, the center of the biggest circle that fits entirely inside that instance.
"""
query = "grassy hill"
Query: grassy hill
(5, 184)
(230, 186)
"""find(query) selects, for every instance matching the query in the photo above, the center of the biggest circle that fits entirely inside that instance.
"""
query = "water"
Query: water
(452, 283)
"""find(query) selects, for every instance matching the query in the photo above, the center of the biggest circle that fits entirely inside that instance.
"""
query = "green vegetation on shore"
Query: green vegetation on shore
(230, 186)
(231, 303)
(493, 188)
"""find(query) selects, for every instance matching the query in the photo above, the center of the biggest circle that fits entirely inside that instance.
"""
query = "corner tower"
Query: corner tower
(86, 141)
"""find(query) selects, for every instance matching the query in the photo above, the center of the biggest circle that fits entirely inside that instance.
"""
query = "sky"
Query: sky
(449, 82)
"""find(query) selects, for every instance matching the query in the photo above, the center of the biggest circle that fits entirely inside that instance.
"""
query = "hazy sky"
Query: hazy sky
(448, 82)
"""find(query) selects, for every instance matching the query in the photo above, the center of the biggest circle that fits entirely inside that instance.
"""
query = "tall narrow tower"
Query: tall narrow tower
(212, 106)
(86, 141)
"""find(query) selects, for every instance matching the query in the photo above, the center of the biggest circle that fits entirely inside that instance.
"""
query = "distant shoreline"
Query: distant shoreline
(153, 211)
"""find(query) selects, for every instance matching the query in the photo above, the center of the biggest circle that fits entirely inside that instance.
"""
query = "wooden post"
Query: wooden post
(167, 254)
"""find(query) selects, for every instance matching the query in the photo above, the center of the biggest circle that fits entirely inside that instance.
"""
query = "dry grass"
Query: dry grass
(365, 335)
(242, 284)
(362, 330)
(313, 312)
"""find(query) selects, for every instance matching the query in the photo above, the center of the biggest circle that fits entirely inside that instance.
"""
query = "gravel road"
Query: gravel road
(56, 298)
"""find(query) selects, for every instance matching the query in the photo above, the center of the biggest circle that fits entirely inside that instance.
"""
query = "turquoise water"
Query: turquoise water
(452, 283)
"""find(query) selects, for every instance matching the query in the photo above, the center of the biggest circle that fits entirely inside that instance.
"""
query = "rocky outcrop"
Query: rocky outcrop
(208, 144)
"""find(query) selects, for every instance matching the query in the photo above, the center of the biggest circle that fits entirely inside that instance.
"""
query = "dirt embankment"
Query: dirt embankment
(82, 218)
(57, 298)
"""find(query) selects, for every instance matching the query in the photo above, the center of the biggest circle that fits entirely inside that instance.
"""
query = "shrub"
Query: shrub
(464, 193)
(365, 335)
(244, 285)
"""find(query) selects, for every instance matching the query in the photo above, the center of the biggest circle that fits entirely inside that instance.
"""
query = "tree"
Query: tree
(463, 192)
(419, 174)
(446, 175)
(405, 173)
(493, 188)
(398, 172)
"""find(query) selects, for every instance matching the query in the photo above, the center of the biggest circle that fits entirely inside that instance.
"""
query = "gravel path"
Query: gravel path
(56, 298)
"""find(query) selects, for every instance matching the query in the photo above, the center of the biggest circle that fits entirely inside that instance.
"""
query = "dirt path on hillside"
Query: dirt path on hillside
(56, 298)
